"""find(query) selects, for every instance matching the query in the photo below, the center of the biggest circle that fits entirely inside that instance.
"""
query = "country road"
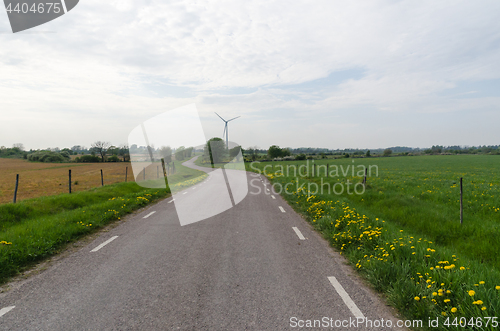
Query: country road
(257, 266)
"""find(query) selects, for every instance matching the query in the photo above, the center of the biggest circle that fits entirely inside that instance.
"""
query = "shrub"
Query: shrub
(300, 157)
(113, 158)
(48, 156)
(88, 158)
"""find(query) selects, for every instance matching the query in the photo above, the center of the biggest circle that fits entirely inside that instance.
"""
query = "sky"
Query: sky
(329, 74)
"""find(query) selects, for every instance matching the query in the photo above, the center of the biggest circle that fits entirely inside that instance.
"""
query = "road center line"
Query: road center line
(151, 213)
(299, 234)
(184, 193)
(347, 299)
(171, 201)
(281, 208)
(5, 310)
(104, 244)
(272, 196)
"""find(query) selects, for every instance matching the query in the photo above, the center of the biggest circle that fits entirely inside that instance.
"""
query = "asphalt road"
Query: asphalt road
(256, 266)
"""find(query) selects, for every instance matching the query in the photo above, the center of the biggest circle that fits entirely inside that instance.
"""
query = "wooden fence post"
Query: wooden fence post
(364, 179)
(102, 179)
(461, 203)
(126, 173)
(69, 183)
(173, 167)
(17, 185)
(327, 169)
(163, 167)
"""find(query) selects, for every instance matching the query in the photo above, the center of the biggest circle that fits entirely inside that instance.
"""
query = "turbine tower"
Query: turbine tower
(225, 128)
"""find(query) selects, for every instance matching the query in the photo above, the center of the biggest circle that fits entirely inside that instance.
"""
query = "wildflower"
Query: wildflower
(481, 283)
(497, 288)
(417, 299)
(446, 300)
(453, 310)
(471, 293)
(483, 308)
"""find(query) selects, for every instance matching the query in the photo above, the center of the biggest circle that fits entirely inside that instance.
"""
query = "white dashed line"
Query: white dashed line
(281, 208)
(272, 196)
(5, 310)
(151, 213)
(104, 244)
(347, 299)
(171, 201)
(299, 234)
(184, 193)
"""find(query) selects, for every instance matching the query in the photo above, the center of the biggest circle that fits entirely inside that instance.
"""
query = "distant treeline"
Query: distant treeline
(437, 149)
(97, 153)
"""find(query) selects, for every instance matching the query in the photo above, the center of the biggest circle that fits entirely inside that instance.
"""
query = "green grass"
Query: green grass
(405, 229)
(35, 229)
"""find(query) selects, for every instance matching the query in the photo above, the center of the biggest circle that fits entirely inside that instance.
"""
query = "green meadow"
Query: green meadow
(402, 229)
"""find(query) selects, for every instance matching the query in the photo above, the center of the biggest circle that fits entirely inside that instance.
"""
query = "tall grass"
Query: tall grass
(407, 241)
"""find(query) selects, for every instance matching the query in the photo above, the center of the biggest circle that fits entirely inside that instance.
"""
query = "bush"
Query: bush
(88, 158)
(48, 156)
(300, 157)
(113, 158)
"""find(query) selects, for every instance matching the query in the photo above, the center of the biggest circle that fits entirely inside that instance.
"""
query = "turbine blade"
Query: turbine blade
(234, 118)
(220, 117)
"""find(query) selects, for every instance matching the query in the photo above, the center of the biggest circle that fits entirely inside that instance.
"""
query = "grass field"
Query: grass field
(403, 232)
(44, 179)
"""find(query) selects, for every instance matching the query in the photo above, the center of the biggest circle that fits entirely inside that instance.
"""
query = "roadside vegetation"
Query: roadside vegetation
(38, 228)
(403, 234)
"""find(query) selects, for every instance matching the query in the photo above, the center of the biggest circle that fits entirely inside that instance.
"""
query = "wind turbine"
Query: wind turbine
(225, 128)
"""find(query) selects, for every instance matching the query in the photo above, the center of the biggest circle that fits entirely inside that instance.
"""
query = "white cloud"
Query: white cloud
(99, 65)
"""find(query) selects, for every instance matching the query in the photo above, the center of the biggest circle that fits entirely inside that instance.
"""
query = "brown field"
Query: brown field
(42, 179)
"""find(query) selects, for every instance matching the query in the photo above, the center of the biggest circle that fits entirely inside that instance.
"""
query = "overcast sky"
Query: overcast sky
(334, 74)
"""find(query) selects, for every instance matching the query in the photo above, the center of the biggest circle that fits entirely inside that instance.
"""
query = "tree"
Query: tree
(166, 153)
(101, 148)
(124, 153)
(233, 152)
(113, 150)
(215, 149)
(18, 145)
(180, 153)
(368, 153)
(188, 152)
(285, 152)
(387, 152)
(274, 151)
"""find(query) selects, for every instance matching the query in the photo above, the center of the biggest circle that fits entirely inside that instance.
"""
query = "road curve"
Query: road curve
(257, 266)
